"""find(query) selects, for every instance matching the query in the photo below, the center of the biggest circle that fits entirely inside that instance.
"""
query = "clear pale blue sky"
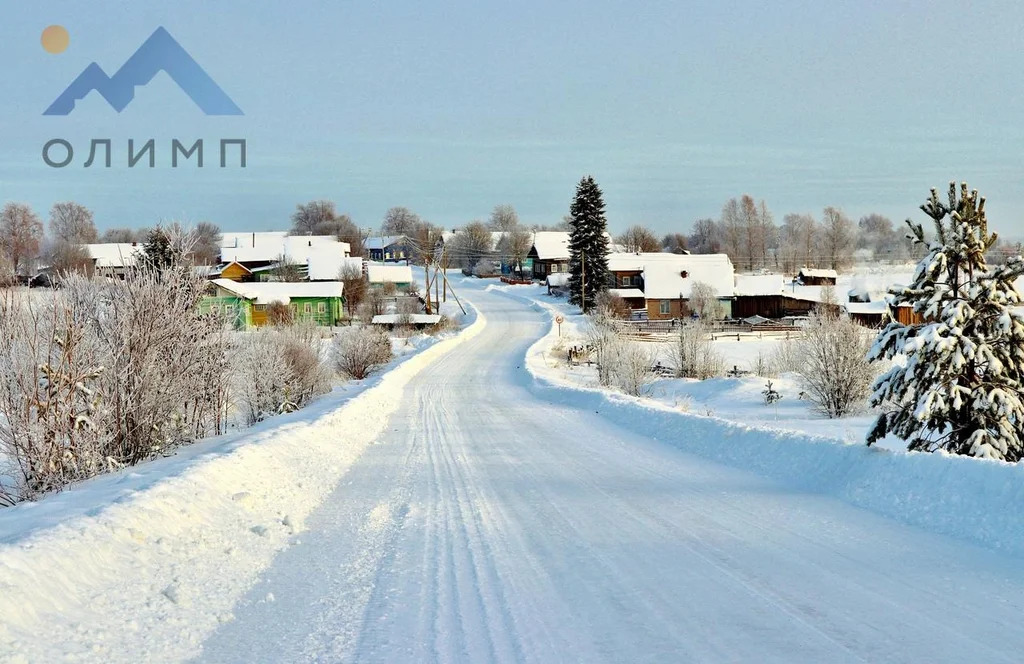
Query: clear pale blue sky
(452, 107)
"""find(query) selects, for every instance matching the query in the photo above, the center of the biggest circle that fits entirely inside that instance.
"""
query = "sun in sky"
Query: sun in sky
(55, 39)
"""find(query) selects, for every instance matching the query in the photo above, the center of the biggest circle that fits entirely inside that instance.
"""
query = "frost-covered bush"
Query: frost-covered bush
(835, 372)
(602, 338)
(630, 367)
(694, 354)
(613, 305)
(358, 351)
(50, 402)
(258, 375)
(704, 301)
(278, 370)
(786, 357)
(106, 373)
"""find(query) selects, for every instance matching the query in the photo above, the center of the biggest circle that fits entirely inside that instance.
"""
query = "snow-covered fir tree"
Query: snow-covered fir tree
(588, 245)
(960, 387)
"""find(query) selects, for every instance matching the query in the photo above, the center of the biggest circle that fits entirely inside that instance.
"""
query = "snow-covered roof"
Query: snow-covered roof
(551, 245)
(808, 293)
(267, 292)
(236, 240)
(268, 247)
(759, 284)
(819, 274)
(663, 272)
(627, 293)
(382, 274)
(865, 307)
(115, 254)
(325, 264)
(558, 279)
(383, 242)
(415, 319)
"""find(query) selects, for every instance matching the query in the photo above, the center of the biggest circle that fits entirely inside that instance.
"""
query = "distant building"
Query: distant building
(380, 276)
(388, 249)
(815, 277)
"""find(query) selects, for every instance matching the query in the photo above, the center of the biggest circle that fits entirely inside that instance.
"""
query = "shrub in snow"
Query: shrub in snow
(106, 373)
(279, 313)
(786, 357)
(613, 305)
(602, 337)
(358, 351)
(835, 371)
(704, 301)
(629, 366)
(278, 370)
(694, 354)
(960, 387)
(444, 324)
(258, 373)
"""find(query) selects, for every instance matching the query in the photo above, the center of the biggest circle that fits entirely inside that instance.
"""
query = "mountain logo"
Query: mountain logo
(161, 52)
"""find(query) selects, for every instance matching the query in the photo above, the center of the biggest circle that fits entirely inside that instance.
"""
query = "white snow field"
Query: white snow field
(499, 517)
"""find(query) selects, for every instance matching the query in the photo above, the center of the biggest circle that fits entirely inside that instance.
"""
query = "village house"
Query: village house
(388, 249)
(261, 254)
(658, 285)
(548, 255)
(246, 304)
(380, 276)
(815, 277)
(766, 295)
(114, 259)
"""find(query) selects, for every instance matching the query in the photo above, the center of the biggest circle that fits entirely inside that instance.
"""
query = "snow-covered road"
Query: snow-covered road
(491, 525)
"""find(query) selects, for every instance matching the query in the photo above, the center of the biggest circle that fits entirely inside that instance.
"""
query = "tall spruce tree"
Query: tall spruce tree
(588, 245)
(960, 387)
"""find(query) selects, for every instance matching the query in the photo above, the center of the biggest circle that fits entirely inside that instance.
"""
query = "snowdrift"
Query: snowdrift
(967, 498)
(157, 556)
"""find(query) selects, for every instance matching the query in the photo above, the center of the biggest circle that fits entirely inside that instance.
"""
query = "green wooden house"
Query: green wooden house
(246, 304)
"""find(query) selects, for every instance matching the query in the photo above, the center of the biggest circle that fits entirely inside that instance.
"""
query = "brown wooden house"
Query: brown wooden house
(815, 277)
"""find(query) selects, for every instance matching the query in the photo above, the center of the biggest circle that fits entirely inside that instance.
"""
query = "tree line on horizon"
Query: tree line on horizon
(745, 230)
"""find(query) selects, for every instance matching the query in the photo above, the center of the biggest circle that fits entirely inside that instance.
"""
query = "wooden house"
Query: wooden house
(245, 304)
(816, 277)
(235, 272)
(549, 254)
(658, 285)
(262, 253)
(388, 248)
(380, 276)
(114, 259)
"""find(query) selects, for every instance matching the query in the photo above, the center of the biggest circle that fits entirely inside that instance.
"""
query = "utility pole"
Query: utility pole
(426, 273)
(446, 285)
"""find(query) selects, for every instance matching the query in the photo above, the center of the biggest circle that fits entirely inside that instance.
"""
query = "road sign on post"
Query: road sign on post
(559, 319)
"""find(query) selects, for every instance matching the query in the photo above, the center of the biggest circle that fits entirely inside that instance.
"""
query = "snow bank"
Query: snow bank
(962, 497)
(143, 565)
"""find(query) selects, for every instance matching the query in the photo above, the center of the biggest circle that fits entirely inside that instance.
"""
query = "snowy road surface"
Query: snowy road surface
(489, 525)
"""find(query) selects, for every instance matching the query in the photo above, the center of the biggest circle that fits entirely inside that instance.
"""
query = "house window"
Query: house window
(215, 308)
(321, 307)
(307, 308)
(260, 307)
(229, 309)
(627, 281)
(665, 308)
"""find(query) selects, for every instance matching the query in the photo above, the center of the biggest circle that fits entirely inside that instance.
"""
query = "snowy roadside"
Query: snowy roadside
(157, 555)
(957, 496)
